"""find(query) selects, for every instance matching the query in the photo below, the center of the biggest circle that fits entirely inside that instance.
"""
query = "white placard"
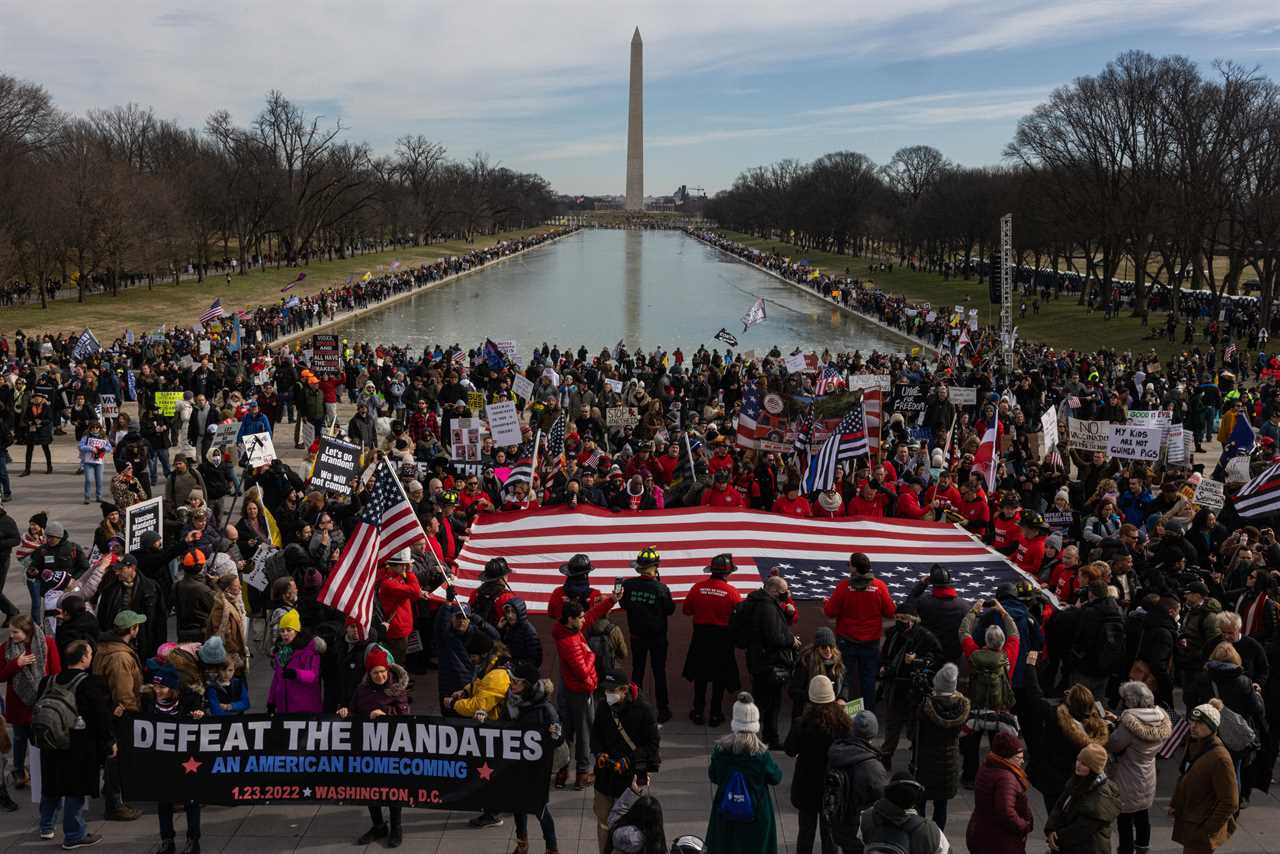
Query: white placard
(1134, 443)
(464, 439)
(257, 579)
(615, 386)
(1089, 436)
(504, 423)
(1176, 443)
(962, 396)
(307, 432)
(1238, 470)
(509, 349)
(1209, 493)
(522, 386)
(795, 363)
(225, 434)
(258, 449)
(880, 381)
(1049, 426)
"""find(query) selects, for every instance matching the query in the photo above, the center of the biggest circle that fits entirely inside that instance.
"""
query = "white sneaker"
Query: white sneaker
(46, 834)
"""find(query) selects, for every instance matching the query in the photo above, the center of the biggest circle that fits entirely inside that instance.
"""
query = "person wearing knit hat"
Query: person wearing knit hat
(1082, 817)
(1207, 796)
(893, 815)
(809, 740)
(742, 753)
(939, 722)
(821, 657)
(290, 622)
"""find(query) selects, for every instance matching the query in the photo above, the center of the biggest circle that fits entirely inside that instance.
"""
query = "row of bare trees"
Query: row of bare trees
(1151, 164)
(121, 194)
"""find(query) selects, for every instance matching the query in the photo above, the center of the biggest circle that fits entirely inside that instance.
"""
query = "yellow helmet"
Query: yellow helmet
(648, 556)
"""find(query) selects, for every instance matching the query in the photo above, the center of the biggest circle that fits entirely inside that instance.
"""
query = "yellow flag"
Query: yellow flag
(366, 277)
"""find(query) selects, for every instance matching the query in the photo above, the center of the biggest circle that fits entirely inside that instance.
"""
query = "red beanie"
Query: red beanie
(377, 657)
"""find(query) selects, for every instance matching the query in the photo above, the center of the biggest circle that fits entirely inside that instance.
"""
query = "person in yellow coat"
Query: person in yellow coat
(485, 696)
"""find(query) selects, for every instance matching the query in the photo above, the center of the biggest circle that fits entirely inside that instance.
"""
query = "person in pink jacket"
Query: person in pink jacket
(295, 684)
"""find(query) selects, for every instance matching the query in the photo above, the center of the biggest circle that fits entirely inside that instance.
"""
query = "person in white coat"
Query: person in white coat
(1140, 730)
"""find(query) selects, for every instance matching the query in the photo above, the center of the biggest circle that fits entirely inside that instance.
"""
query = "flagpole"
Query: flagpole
(693, 470)
(533, 463)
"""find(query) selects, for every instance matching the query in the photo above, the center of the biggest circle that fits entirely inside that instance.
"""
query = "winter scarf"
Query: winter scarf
(26, 681)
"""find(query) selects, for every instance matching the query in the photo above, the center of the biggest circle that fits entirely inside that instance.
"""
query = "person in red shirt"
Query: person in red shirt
(397, 592)
(667, 464)
(576, 586)
(943, 490)
(1004, 527)
(473, 499)
(870, 500)
(860, 604)
(909, 506)
(721, 493)
(1033, 532)
(721, 459)
(974, 508)
(711, 658)
(578, 675)
(792, 503)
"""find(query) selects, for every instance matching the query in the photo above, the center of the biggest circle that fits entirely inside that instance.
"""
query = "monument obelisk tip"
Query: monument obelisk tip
(635, 128)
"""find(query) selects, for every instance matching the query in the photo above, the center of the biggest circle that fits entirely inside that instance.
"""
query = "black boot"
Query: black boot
(6, 802)
(395, 837)
(193, 846)
(166, 847)
(378, 831)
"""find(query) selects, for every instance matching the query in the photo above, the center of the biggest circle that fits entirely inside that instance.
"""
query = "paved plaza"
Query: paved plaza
(682, 786)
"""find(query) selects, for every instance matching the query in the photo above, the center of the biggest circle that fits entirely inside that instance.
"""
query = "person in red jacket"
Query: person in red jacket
(577, 587)
(909, 506)
(871, 500)
(791, 502)
(578, 675)
(721, 459)
(944, 491)
(27, 657)
(722, 493)
(1004, 527)
(1032, 534)
(974, 508)
(860, 604)
(397, 592)
(711, 659)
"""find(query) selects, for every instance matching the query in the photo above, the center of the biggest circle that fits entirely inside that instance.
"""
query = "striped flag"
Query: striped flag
(829, 379)
(555, 441)
(813, 554)
(848, 441)
(29, 544)
(754, 315)
(213, 312)
(294, 283)
(521, 472)
(1229, 353)
(386, 525)
(1261, 495)
(1169, 747)
(593, 459)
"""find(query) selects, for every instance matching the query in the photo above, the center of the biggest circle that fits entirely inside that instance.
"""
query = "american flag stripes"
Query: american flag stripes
(521, 472)
(812, 553)
(555, 440)
(213, 312)
(829, 379)
(1261, 495)
(1181, 728)
(1229, 353)
(386, 525)
(848, 441)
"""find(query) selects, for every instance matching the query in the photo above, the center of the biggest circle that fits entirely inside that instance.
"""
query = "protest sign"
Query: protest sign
(225, 434)
(1176, 442)
(258, 449)
(307, 433)
(962, 396)
(794, 363)
(1134, 443)
(1209, 493)
(410, 760)
(1238, 470)
(615, 386)
(621, 416)
(258, 578)
(167, 402)
(1049, 426)
(337, 463)
(1089, 436)
(110, 408)
(475, 401)
(464, 439)
(326, 358)
(522, 386)
(509, 349)
(909, 400)
(504, 423)
(205, 346)
(880, 381)
(140, 518)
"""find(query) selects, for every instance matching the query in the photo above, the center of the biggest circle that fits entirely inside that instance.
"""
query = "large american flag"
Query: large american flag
(847, 442)
(213, 312)
(813, 554)
(386, 525)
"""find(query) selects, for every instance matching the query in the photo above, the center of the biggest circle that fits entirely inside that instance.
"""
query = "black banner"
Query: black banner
(337, 465)
(326, 360)
(414, 761)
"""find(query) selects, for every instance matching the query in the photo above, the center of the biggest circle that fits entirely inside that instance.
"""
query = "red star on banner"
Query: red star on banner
(191, 765)
(485, 771)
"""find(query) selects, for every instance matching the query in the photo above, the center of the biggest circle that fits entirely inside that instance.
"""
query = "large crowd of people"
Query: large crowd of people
(1135, 648)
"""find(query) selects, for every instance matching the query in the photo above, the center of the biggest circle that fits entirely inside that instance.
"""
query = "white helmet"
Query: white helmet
(401, 556)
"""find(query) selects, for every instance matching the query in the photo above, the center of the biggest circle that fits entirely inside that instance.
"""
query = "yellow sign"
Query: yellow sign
(167, 401)
(475, 401)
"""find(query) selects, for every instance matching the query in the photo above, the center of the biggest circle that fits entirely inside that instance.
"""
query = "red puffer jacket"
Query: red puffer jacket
(1001, 820)
(860, 614)
(396, 596)
(577, 661)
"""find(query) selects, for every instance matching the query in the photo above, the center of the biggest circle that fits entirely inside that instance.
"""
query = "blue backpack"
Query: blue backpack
(735, 800)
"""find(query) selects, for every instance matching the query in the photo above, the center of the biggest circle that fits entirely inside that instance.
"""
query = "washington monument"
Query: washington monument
(635, 128)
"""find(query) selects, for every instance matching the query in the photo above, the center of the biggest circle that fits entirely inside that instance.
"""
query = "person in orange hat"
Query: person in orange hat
(193, 597)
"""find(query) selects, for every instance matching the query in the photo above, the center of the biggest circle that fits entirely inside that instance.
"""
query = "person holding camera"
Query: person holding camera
(911, 653)
(625, 740)
(990, 683)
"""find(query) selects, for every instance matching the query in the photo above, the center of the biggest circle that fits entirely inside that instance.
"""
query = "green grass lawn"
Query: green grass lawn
(143, 310)
(1061, 323)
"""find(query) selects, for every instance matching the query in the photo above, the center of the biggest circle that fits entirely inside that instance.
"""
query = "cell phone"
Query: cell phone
(989, 603)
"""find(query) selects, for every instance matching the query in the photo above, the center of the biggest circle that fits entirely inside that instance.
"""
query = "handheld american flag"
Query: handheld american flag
(848, 441)
(386, 525)
(213, 312)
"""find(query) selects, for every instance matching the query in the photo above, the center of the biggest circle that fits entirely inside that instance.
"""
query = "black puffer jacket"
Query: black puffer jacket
(935, 756)
(772, 644)
(521, 637)
(941, 611)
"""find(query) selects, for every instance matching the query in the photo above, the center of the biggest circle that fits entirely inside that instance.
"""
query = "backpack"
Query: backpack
(55, 714)
(600, 642)
(890, 838)
(741, 625)
(989, 686)
(735, 801)
(836, 796)
(1112, 645)
(1234, 730)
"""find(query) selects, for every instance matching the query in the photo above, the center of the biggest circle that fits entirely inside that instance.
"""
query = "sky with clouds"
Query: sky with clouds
(543, 86)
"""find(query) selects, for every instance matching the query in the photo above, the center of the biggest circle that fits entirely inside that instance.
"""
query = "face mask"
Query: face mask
(613, 698)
